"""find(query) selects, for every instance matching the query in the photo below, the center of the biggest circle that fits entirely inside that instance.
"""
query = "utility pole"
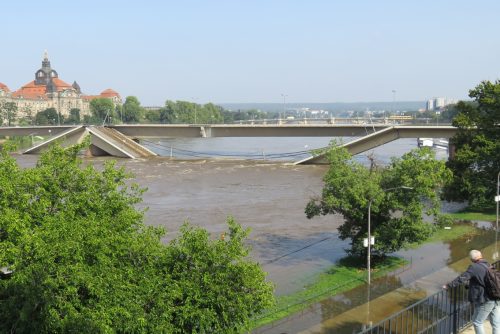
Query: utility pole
(393, 101)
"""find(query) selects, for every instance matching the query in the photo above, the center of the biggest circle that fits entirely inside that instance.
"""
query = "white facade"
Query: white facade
(437, 103)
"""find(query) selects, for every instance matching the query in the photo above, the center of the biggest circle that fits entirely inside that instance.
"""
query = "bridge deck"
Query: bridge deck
(273, 130)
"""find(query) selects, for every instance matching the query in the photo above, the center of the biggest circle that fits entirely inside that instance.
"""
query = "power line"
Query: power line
(296, 251)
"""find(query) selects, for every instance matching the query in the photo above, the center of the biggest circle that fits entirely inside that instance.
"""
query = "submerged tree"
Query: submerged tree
(82, 260)
(399, 194)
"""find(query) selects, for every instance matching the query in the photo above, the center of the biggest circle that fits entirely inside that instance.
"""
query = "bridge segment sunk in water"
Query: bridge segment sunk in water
(118, 140)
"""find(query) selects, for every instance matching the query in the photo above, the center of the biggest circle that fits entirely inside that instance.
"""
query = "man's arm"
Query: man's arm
(463, 278)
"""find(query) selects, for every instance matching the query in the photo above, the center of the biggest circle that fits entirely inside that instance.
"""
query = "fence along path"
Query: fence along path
(446, 311)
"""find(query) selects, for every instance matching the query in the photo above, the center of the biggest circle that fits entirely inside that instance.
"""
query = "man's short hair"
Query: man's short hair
(475, 255)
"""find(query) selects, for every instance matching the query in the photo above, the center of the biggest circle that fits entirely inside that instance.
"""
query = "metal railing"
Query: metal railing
(447, 311)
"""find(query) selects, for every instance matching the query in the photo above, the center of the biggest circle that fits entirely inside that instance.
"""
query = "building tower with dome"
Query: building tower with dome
(48, 91)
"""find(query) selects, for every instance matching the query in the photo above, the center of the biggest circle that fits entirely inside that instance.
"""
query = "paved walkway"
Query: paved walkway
(470, 329)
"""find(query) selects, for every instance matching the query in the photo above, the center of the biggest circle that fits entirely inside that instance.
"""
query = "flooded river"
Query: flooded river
(270, 197)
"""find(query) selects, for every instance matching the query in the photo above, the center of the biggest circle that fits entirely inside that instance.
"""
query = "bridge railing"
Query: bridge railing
(392, 120)
(445, 312)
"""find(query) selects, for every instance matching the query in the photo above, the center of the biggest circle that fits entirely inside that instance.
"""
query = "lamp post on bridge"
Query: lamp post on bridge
(371, 242)
(284, 104)
(393, 109)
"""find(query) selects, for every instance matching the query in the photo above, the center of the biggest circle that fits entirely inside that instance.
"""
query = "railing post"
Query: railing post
(454, 316)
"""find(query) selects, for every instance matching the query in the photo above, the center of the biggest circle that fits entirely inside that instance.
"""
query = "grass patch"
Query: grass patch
(456, 231)
(441, 234)
(337, 279)
(470, 214)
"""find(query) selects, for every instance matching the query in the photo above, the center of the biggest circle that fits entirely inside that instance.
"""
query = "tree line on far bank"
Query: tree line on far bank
(173, 112)
(103, 111)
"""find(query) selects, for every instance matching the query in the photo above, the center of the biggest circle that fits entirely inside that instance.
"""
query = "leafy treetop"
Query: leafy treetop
(83, 260)
(396, 212)
(476, 161)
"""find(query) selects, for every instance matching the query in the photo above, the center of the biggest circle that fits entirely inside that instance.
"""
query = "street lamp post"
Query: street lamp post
(497, 197)
(369, 243)
(368, 254)
(284, 104)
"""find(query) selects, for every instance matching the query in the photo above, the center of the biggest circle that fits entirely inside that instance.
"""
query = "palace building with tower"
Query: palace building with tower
(48, 91)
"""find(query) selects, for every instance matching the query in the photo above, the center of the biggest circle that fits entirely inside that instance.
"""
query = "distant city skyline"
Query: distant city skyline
(256, 51)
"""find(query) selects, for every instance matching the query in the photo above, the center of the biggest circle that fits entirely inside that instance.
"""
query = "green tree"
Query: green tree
(119, 111)
(244, 115)
(8, 112)
(74, 116)
(476, 162)
(190, 113)
(152, 116)
(48, 116)
(448, 113)
(396, 215)
(217, 290)
(176, 112)
(132, 110)
(101, 108)
(28, 115)
(83, 260)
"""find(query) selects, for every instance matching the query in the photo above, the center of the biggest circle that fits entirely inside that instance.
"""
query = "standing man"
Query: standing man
(484, 307)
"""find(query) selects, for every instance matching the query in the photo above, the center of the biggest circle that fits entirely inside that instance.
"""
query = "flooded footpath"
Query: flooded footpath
(430, 266)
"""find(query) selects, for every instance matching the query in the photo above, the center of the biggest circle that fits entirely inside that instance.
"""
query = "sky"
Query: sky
(228, 51)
